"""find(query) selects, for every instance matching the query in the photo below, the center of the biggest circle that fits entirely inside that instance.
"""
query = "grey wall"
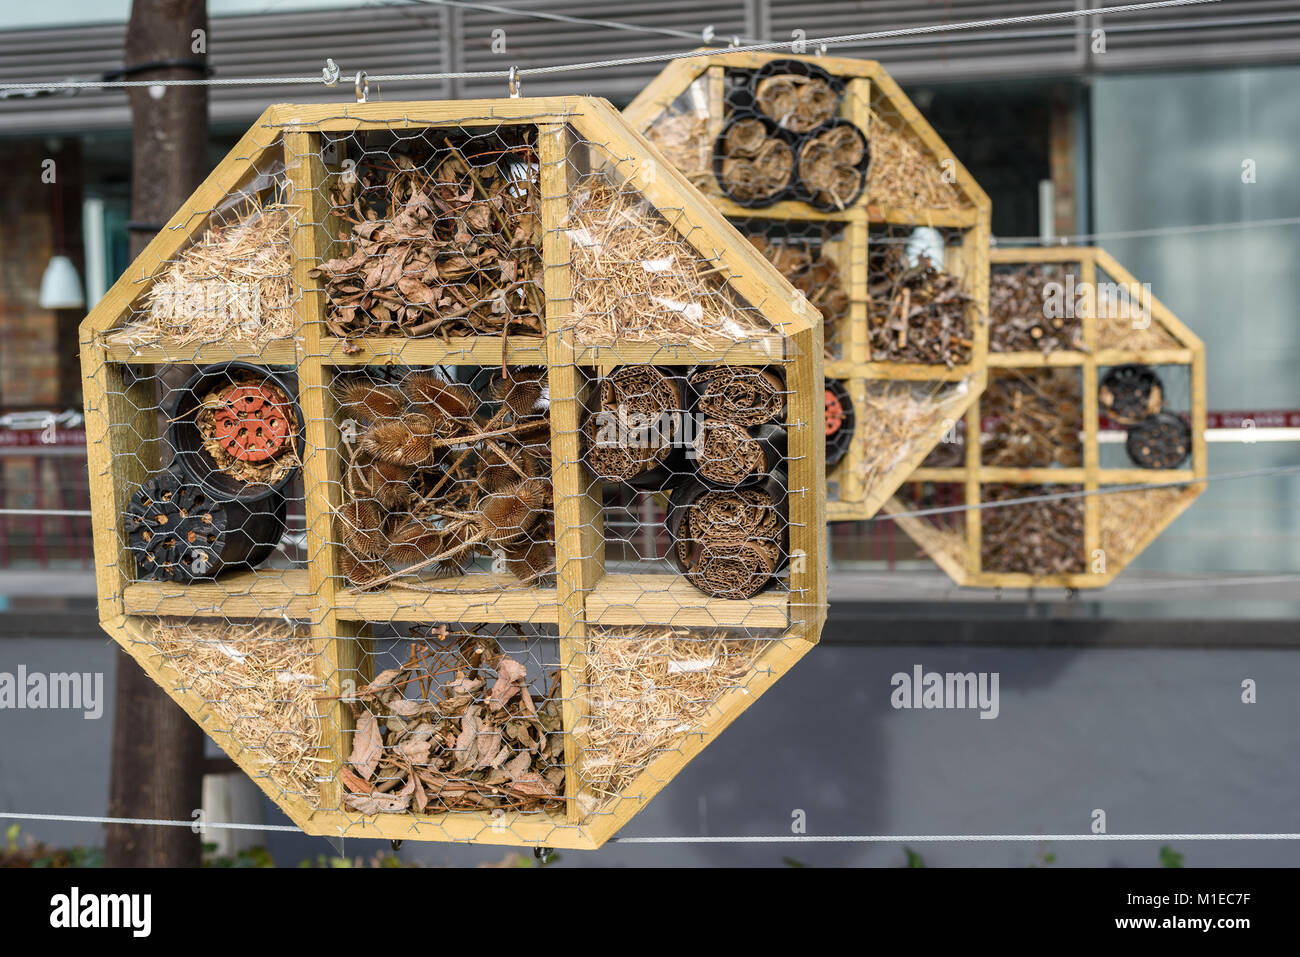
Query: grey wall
(1168, 151)
(1159, 739)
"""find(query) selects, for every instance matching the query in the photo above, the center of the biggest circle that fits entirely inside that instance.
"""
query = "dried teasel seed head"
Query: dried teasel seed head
(360, 525)
(512, 513)
(369, 400)
(407, 442)
(361, 572)
(497, 476)
(390, 485)
(436, 398)
(411, 540)
(455, 536)
(522, 392)
(531, 560)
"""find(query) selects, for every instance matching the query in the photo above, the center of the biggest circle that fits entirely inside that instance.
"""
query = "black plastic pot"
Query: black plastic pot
(194, 462)
(773, 131)
(178, 531)
(672, 466)
(1128, 394)
(1163, 441)
(743, 91)
(686, 549)
(801, 191)
(838, 436)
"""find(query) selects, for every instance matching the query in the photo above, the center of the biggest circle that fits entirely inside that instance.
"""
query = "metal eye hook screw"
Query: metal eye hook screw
(363, 86)
(735, 42)
(821, 49)
(512, 80)
(330, 73)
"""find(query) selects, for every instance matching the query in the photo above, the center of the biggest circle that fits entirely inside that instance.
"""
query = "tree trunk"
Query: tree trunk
(157, 750)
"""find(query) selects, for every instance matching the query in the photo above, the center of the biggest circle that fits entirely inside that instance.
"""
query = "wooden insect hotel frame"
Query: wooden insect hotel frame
(905, 344)
(374, 502)
(1086, 368)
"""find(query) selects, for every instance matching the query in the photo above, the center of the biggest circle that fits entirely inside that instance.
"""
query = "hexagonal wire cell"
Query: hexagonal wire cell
(1094, 383)
(891, 245)
(489, 370)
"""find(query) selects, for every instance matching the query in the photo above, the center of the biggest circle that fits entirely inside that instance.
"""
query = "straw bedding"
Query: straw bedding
(898, 418)
(636, 280)
(903, 174)
(684, 140)
(260, 681)
(1126, 518)
(235, 284)
(648, 689)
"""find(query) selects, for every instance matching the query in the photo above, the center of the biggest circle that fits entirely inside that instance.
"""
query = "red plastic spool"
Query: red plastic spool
(251, 424)
(834, 413)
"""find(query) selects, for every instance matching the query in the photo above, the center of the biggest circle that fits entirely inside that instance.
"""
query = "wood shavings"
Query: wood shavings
(259, 680)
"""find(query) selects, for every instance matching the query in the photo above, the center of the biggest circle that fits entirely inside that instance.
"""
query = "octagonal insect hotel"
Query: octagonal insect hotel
(832, 173)
(1096, 391)
(458, 467)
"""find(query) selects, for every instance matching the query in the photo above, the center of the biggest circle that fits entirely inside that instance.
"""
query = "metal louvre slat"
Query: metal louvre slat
(534, 43)
(410, 38)
(1049, 47)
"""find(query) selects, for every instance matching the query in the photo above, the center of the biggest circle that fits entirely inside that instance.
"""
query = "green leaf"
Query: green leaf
(1169, 857)
(913, 859)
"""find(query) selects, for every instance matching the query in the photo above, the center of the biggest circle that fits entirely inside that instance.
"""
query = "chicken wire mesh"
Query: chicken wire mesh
(1093, 385)
(836, 178)
(458, 467)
